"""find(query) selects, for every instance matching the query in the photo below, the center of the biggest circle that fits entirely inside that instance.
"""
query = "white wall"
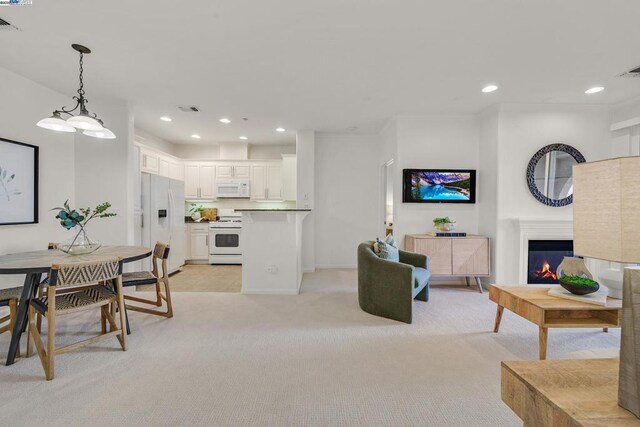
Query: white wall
(305, 149)
(24, 103)
(212, 152)
(438, 142)
(523, 130)
(152, 141)
(104, 173)
(270, 152)
(346, 197)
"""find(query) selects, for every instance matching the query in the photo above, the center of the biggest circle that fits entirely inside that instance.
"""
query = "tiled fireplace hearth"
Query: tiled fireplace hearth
(556, 236)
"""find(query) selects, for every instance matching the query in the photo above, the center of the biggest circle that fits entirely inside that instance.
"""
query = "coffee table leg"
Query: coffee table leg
(496, 327)
(605, 330)
(543, 333)
(30, 283)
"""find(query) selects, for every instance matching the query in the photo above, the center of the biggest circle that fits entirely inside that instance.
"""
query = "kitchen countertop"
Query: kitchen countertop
(273, 210)
(189, 220)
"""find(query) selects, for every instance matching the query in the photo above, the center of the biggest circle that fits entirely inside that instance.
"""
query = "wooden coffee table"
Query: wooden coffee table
(532, 303)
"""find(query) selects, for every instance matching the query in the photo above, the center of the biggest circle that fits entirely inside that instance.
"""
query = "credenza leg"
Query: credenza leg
(605, 330)
(466, 279)
(496, 327)
(543, 333)
(479, 284)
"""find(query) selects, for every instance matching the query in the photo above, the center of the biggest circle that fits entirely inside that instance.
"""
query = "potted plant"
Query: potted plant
(69, 218)
(196, 212)
(579, 285)
(444, 224)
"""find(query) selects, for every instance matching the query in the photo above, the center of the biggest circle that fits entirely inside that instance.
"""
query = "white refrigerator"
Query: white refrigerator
(162, 219)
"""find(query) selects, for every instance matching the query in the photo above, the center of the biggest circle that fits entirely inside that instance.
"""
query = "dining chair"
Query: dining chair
(158, 276)
(9, 298)
(74, 288)
(45, 282)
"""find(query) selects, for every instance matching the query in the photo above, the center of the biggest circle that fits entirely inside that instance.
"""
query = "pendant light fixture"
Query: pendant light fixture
(88, 122)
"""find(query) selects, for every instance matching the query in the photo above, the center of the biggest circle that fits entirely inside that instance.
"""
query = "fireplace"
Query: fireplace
(544, 258)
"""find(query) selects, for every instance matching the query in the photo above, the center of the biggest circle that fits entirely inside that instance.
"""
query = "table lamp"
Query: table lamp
(606, 226)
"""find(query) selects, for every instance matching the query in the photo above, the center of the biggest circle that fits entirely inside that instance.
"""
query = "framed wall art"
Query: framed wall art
(18, 183)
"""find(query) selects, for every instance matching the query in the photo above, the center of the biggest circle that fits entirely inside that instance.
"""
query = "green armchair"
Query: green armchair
(388, 288)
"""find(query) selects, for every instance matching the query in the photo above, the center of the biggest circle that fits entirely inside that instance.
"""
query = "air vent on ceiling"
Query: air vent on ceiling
(188, 108)
(6, 26)
(633, 73)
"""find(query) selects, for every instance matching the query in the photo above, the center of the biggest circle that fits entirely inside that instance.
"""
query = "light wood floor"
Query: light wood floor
(205, 278)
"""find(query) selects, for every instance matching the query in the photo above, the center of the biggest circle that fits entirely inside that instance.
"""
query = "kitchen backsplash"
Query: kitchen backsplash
(240, 204)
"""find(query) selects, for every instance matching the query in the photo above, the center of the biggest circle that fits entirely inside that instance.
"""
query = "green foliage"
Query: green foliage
(441, 221)
(464, 184)
(70, 218)
(195, 208)
(578, 280)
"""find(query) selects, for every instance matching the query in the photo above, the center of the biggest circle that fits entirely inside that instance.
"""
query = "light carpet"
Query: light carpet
(309, 360)
(204, 278)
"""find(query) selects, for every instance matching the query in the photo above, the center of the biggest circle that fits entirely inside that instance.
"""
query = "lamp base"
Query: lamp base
(629, 386)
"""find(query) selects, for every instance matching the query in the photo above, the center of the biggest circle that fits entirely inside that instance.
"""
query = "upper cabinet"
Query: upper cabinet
(160, 164)
(198, 181)
(233, 171)
(289, 177)
(266, 181)
(273, 180)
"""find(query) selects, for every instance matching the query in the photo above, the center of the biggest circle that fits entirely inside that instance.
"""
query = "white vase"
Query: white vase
(573, 266)
(612, 280)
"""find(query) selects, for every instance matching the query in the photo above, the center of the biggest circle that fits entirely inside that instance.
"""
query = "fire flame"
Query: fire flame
(545, 272)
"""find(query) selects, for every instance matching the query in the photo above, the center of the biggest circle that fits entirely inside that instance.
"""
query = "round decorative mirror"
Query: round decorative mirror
(550, 174)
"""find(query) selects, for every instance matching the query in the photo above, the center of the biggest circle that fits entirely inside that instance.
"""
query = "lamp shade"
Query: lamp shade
(101, 134)
(84, 122)
(606, 210)
(56, 123)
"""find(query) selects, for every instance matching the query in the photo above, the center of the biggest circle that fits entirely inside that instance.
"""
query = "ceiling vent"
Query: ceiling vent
(188, 108)
(6, 26)
(633, 73)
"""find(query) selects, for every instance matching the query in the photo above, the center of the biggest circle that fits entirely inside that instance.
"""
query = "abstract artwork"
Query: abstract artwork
(18, 183)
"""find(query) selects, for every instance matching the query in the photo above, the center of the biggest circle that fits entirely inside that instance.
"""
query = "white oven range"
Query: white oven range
(225, 238)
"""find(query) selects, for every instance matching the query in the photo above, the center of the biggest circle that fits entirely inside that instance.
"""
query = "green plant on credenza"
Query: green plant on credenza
(444, 224)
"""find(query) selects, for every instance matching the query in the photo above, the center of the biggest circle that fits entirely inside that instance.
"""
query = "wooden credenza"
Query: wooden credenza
(453, 256)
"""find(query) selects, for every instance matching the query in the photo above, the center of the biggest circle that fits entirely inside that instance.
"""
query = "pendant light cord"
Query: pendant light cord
(81, 89)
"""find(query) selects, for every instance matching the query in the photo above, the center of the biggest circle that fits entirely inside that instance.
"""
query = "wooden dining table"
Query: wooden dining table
(34, 264)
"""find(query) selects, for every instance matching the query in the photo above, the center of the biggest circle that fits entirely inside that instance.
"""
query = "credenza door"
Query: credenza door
(471, 256)
(439, 252)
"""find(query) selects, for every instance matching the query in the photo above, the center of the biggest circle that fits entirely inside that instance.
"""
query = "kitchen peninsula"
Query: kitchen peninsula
(272, 254)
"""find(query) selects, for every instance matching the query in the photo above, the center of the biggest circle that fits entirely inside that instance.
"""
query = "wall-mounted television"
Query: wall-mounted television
(439, 186)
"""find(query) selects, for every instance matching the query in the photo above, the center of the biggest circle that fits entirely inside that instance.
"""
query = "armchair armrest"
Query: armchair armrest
(417, 260)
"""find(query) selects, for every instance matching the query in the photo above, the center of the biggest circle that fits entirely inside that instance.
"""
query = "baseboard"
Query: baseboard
(308, 270)
(269, 292)
(336, 266)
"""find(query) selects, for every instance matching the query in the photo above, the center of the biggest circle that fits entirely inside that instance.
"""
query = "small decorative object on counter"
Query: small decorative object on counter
(573, 266)
(69, 218)
(444, 224)
(195, 211)
(579, 285)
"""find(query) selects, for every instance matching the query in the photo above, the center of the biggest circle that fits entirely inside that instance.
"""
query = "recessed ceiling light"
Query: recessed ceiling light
(490, 88)
(594, 90)
(280, 129)
(195, 136)
(225, 120)
(244, 138)
(166, 119)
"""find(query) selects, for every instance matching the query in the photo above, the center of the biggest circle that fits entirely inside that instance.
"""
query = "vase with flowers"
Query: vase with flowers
(69, 218)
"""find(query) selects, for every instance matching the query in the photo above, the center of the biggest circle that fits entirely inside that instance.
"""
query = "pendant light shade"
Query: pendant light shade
(78, 117)
(104, 133)
(84, 122)
(55, 122)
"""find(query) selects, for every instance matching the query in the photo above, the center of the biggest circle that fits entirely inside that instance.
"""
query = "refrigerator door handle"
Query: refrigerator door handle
(170, 215)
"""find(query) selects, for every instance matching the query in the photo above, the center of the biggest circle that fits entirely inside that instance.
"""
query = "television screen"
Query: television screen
(439, 186)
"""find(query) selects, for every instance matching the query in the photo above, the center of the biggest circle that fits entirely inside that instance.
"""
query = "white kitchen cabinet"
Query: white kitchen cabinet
(258, 182)
(198, 181)
(266, 181)
(198, 242)
(176, 171)
(149, 161)
(233, 171)
(289, 177)
(163, 168)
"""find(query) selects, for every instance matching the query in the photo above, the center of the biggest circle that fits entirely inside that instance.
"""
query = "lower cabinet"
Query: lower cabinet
(453, 256)
(198, 242)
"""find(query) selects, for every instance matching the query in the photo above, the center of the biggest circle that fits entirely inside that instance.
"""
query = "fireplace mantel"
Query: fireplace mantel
(539, 229)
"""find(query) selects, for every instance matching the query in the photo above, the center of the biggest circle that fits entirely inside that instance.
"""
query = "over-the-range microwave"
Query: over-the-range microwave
(233, 189)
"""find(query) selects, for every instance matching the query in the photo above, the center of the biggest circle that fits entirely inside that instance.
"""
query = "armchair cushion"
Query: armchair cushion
(386, 250)
(420, 276)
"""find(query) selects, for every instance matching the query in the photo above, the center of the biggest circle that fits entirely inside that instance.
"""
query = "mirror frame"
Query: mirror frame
(556, 203)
